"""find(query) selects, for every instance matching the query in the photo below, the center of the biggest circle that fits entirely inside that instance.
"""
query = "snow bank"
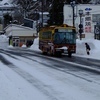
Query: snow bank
(3, 41)
(23, 45)
(80, 46)
(94, 45)
(35, 45)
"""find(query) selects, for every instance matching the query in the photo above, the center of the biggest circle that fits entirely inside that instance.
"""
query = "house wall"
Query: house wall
(18, 41)
(19, 35)
(20, 31)
(88, 29)
(1, 28)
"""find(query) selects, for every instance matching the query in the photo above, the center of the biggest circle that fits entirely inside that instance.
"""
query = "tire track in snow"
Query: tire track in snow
(46, 90)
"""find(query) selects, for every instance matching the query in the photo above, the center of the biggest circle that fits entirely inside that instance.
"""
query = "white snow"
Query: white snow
(3, 41)
(65, 48)
(94, 45)
(80, 48)
(6, 3)
(53, 84)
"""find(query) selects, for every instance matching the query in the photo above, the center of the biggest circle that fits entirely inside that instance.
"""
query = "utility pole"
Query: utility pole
(73, 4)
(80, 25)
(42, 13)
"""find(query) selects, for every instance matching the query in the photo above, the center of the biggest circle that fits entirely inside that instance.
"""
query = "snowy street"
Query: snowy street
(49, 49)
(31, 76)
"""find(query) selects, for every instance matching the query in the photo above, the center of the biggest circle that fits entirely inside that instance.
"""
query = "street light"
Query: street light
(80, 25)
(80, 12)
(73, 4)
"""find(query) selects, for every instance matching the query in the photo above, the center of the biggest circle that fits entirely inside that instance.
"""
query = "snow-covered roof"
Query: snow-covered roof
(6, 3)
(18, 26)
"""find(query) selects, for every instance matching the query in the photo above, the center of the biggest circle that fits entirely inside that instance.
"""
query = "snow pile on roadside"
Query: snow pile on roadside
(10, 46)
(94, 45)
(23, 45)
(3, 41)
(3, 38)
(35, 45)
(80, 48)
(96, 51)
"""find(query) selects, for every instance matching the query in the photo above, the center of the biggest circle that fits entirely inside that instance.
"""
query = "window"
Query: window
(22, 40)
(64, 37)
(96, 17)
(46, 35)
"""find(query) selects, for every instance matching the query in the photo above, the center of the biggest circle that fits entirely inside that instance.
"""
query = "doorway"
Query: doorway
(16, 41)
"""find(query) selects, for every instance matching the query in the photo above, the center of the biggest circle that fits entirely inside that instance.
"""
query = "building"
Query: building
(1, 1)
(90, 17)
(38, 20)
(43, 18)
(19, 35)
(1, 29)
(7, 8)
(28, 23)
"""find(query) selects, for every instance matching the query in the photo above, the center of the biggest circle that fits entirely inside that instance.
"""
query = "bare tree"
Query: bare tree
(95, 1)
(27, 6)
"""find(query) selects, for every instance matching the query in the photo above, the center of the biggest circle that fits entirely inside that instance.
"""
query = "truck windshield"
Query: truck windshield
(65, 38)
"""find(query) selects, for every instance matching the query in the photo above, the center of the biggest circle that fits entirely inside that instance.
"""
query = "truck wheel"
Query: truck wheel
(51, 53)
(69, 54)
(58, 54)
(43, 52)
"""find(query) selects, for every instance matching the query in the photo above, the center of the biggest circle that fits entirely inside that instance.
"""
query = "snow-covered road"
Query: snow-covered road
(27, 79)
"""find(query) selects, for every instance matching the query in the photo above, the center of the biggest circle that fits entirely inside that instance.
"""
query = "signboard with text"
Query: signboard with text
(87, 24)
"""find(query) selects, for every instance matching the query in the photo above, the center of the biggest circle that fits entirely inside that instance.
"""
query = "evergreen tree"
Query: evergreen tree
(7, 19)
(0, 21)
(83, 1)
(95, 1)
(79, 1)
(56, 13)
